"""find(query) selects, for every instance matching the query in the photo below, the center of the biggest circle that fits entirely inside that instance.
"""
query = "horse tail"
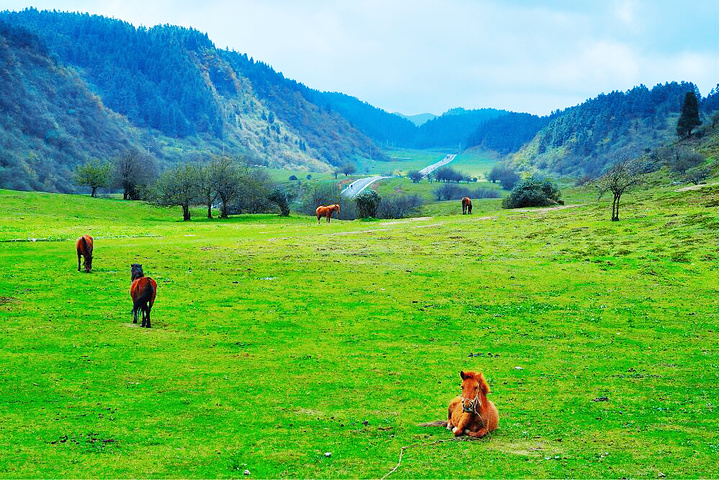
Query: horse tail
(144, 294)
(438, 423)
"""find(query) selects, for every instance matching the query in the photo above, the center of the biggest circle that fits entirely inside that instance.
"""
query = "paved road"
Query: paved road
(435, 166)
(357, 186)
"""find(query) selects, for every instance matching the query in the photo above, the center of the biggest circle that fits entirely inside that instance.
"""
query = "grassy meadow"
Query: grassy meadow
(276, 341)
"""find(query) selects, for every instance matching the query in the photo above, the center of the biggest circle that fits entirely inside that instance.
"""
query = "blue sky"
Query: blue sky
(416, 56)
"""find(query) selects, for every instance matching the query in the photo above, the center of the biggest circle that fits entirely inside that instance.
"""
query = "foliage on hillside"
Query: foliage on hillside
(177, 89)
(50, 121)
(583, 139)
(508, 133)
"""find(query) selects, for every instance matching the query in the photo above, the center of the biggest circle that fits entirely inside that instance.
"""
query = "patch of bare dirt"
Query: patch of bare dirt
(695, 187)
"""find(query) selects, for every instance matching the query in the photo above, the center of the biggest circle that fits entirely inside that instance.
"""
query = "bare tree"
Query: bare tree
(133, 172)
(622, 176)
(415, 176)
(225, 177)
(178, 186)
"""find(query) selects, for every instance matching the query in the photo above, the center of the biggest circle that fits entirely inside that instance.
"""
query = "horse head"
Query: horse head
(336, 207)
(87, 263)
(474, 391)
(137, 271)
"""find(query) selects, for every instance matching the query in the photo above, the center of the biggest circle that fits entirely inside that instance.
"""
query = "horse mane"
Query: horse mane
(86, 249)
(483, 385)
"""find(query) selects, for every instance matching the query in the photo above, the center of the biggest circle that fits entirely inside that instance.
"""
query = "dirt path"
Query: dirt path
(696, 187)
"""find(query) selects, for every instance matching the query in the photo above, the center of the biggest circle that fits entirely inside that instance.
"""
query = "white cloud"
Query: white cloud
(432, 55)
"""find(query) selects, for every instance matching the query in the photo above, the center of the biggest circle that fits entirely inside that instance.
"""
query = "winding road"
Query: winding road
(356, 187)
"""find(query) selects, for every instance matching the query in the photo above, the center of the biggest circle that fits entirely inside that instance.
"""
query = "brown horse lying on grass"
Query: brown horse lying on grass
(323, 211)
(84, 249)
(466, 205)
(143, 292)
(472, 413)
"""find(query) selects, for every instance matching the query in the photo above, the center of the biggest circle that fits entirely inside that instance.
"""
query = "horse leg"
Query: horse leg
(479, 433)
(149, 309)
(458, 430)
(134, 314)
(79, 255)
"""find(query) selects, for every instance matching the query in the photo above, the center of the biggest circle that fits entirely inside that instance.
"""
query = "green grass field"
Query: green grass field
(275, 341)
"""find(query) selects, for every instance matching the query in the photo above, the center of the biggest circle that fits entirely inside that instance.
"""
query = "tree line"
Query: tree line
(232, 185)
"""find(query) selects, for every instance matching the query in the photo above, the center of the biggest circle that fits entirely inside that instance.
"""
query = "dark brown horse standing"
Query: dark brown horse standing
(84, 249)
(143, 292)
(327, 211)
(466, 205)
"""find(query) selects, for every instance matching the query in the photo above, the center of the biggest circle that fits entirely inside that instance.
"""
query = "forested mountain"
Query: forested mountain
(48, 117)
(508, 133)
(583, 140)
(175, 92)
(79, 86)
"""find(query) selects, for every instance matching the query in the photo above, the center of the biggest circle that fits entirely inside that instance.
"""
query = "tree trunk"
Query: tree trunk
(223, 210)
(185, 212)
(209, 211)
(94, 189)
(615, 208)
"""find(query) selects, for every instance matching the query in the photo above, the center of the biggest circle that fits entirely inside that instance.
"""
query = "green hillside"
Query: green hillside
(292, 349)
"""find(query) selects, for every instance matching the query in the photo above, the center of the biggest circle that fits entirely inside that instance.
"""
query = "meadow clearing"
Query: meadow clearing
(276, 341)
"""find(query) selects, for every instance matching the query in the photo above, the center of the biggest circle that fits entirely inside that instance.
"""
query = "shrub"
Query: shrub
(293, 178)
(367, 204)
(455, 192)
(533, 192)
(399, 206)
(415, 176)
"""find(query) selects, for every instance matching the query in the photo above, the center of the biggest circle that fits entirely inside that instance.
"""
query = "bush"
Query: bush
(450, 191)
(415, 176)
(533, 192)
(367, 204)
(399, 206)
(505, 175)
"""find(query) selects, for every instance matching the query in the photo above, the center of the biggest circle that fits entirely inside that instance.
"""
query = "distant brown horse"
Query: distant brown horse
(84, 249)
(323, 211)
(466, 205)
(143, 292)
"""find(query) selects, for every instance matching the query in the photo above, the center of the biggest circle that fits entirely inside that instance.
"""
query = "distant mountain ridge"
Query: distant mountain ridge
(78, 86)
(418, 119)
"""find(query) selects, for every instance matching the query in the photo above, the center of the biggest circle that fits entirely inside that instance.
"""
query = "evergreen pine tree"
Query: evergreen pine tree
(690, 116)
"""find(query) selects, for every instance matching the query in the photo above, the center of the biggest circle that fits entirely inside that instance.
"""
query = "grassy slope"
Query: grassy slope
(277, 340)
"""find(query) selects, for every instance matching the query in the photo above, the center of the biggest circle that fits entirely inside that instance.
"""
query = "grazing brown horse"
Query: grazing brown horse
(84, 249)
(472, 413)
(143, 292)
(466, 205)
(323, 211)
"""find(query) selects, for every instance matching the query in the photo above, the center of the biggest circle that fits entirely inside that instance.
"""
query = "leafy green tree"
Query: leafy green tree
(178, 187)
(415, 176)
(94, 174)
(367, 204)
(618, 179)
(348, 168)
(689, 118)
(282, 199)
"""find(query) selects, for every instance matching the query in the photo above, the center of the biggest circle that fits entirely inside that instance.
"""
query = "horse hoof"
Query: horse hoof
(454, 430)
